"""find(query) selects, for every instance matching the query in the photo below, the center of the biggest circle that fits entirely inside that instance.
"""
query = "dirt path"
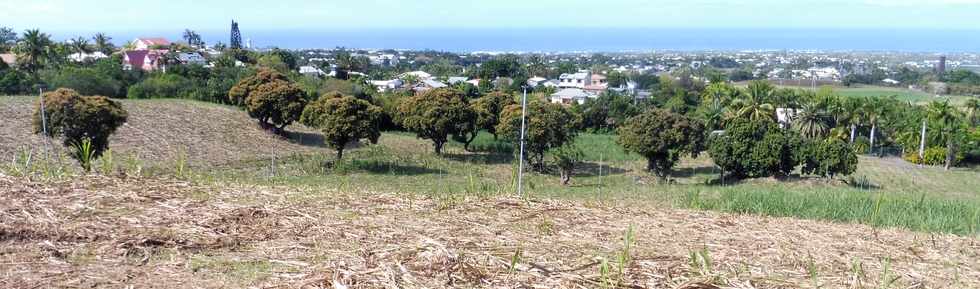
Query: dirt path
(105, 232)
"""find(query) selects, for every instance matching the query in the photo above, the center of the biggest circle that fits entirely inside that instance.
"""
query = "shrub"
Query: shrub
(269, 97)
(829, 158)
(276, 104)
(238, 93)
(755, 149)
(566, 158)
(13, 81)
(79, 119)
(661, 137)
(933, 156)
(435, 115)
(161, 86)
(548, 126)
(85, 81)
(343, 119)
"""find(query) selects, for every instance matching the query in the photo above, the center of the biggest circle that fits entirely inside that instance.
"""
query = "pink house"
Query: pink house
(147, 60)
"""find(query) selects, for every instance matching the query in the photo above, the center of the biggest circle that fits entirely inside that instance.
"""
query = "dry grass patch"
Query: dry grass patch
(162, 131)
(106, 232)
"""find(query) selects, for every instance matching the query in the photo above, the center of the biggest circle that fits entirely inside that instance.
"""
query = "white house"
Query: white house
(80, 57)
(428, 84)
(570, 95)
(456, 79)
(310, 70)
(421, 75)
(387, 85)
(535, 81)
(384, 59)
(580, 79)
(192, 58)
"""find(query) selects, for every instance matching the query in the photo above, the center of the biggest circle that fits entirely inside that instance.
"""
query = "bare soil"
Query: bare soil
(146, 233)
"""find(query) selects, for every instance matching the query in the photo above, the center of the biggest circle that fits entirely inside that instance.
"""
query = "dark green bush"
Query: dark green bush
(78, 118)
(829, 158)
(755, 149)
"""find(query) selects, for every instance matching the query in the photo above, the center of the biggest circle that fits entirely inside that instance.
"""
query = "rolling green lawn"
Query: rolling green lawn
(884, 192)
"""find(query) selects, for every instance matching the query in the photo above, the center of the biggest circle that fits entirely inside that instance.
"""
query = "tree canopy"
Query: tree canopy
(661, 137)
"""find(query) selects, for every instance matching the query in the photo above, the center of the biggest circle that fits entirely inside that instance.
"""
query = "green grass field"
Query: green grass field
(884, 192)
(899, 93)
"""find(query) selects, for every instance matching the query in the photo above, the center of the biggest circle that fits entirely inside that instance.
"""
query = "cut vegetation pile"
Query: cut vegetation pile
(111, 232)
(166, 130)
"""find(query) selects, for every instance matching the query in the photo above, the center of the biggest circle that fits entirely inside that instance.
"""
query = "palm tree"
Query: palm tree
(79, 45)
(853, 115)
(945, 116)
(103, 43)
(192, 38)
(34, 48)
(811, 121)
(874, 109)
(755, 105)
(837, 109)
(972, 105)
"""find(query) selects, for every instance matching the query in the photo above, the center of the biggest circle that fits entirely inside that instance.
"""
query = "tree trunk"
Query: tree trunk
(340, 154)
(874, 128)
(438, 146)
(949, 153)
(853, 132)
(566, 177)
(466, 145)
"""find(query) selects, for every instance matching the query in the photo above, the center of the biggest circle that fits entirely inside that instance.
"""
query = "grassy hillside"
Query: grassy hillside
(163, 130)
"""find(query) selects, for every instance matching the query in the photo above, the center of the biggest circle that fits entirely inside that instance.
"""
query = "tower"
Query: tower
(941, 66)
(236, 36)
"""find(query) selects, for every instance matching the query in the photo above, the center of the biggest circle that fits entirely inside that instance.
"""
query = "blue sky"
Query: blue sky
(214, 15)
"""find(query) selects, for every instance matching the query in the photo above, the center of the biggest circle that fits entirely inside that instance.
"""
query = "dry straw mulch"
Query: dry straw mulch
(112, 232)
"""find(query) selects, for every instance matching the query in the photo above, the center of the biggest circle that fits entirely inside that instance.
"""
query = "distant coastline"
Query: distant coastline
(590, 39)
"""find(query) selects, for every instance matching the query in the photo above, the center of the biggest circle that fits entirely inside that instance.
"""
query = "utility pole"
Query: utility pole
(520, 169)
(922, 144)
(44, 122)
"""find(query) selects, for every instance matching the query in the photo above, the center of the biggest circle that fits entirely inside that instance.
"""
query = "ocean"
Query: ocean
(593, 39)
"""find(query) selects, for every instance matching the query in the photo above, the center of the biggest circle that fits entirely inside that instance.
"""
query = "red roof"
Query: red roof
(135, 58)
(154, 41)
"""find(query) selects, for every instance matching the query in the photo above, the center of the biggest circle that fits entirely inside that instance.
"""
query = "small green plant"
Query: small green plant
(134, 166)
(877, 209)
(105, 163)
(180, 163)
(516, 259)
(857, 270)
(813, 271)
(604, 275)
(700, 261)
(626, 256)
(84, 153)
(546, 227)
(886, 276)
